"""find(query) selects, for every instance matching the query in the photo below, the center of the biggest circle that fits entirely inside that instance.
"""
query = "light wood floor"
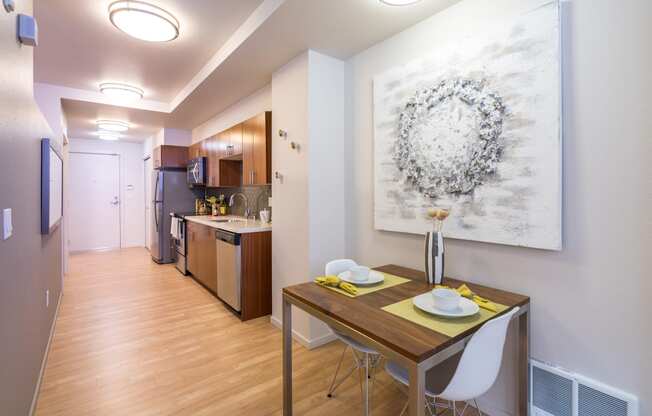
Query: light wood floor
(135, 338)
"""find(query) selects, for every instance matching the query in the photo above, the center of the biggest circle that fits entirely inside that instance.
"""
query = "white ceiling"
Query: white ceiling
(79, 47)
(223, 54)
(339, 28)
(81, 117)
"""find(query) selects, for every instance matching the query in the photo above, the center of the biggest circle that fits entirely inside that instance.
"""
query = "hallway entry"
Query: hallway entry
(94, 201)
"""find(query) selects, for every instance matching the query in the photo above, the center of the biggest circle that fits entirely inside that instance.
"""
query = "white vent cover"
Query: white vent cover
(556, 392)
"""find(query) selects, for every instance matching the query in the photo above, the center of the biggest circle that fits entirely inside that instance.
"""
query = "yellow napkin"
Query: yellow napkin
(464, 290)
(336, 282)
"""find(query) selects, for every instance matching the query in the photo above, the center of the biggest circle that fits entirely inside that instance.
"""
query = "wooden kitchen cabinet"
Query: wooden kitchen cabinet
(194, 150)
(256, 150)
(208, 259)
(256, 271)
(213, 161)
(234, 144)
(240, 155)
(230, 170)
(255, 267)
(192, 254)
(201, 256)
(166, 156)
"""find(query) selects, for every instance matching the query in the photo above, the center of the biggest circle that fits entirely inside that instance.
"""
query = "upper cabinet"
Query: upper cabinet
(240, 155)
(256, 150)
(233, 141)
(194, 151)
(166, 156)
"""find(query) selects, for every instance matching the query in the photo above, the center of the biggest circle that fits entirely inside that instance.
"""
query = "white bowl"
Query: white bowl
(446, 299)
(360, 273)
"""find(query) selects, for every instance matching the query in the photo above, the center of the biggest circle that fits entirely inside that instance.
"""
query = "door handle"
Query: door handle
(115, 201)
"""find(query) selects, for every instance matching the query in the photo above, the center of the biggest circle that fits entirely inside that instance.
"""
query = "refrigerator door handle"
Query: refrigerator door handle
(156, 195)
(156, 215)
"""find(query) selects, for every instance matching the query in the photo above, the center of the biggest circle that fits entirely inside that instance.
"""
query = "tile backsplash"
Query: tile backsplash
(257, 198)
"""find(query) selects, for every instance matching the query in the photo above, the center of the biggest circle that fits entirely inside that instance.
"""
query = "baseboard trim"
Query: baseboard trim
(309, 344)
(487, 409)
(37, 390)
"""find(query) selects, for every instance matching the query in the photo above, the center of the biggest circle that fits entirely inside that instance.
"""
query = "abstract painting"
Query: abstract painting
(475, 126)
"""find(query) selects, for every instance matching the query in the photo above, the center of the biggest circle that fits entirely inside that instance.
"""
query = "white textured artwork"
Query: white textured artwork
(475, 126)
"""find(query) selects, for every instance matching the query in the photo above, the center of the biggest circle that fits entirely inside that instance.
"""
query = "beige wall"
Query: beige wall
(290, 237)
(308, 211)
(30, 263)
(248, 107)
(607, 74)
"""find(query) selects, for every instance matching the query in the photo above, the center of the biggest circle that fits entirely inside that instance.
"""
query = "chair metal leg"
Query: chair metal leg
(454, 408)
(374, 366)
(475, 402)
(366, 384)
(333, 385)
(404, 408)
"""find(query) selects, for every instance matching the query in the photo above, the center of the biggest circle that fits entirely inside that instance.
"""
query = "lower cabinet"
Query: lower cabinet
(256, 263)
(192, 253)
(255, 267)
(202, 257)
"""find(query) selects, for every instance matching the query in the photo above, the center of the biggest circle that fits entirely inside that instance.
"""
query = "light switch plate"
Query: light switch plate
(7, 224)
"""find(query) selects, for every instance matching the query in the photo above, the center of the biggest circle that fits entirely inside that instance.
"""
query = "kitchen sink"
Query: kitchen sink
(228, 220)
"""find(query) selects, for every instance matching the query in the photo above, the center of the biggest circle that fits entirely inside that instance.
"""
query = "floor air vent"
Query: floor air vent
(557, 392)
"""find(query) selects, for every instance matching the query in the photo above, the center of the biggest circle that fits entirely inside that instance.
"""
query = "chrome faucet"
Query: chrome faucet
(247, 211)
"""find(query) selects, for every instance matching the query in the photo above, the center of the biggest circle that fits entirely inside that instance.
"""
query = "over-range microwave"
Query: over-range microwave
(197, 171)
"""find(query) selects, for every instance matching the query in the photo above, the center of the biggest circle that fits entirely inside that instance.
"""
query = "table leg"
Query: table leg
(523, 361)
(417, 393)
(287, 358)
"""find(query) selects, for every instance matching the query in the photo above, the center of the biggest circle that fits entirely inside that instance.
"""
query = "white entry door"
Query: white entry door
(94, 201)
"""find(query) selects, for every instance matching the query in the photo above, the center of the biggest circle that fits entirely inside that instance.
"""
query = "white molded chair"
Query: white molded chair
(364, 358)
(476, 371)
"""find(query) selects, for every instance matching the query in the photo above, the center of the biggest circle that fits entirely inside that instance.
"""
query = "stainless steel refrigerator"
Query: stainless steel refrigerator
(171, 193)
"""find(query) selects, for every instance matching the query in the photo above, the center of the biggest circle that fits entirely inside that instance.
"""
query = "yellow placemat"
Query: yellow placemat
(448, 326)
(390, 280)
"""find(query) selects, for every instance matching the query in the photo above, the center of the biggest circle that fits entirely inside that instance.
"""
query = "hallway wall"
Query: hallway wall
(30, 264)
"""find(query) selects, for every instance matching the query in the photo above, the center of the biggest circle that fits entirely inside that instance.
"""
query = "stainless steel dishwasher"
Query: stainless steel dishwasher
(228, 268)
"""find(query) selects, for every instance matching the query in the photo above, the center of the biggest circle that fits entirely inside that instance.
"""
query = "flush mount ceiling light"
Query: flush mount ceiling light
(112, 125)
(144, 21)
(108, 135)
(399, 2)
(121, 91)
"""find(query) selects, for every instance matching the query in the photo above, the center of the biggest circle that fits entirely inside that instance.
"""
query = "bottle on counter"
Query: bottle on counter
(212, 203)
(222, 205)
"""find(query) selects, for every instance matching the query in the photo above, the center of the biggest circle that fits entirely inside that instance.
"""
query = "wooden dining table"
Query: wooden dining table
(415, 347)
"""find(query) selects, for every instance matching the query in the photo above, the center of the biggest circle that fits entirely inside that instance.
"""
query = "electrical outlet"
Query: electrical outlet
(47, 298)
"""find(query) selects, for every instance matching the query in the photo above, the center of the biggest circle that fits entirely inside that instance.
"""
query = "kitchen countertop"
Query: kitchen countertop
(239, 226)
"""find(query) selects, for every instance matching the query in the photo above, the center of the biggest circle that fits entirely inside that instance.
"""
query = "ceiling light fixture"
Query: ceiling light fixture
(399, 2)
(112, 125)
(107, 135)
(144, 21)
(121, 91)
